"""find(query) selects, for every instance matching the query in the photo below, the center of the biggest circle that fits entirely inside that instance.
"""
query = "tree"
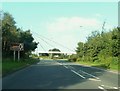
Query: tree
(9, 33)
(12, 34)
(100, 46)
(116, 41)
(55, 50)
(80, 49)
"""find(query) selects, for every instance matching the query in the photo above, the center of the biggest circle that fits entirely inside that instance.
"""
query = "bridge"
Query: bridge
(51, 44)
(52, 52)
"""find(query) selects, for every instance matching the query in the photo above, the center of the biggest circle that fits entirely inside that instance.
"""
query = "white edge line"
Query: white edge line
(78, 74)
(109, 86)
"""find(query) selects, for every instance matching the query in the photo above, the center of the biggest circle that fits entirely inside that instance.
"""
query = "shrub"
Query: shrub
(114, 61)
(73, 57)
(79, 59)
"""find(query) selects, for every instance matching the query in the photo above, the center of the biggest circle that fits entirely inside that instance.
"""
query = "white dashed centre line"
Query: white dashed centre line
(89, 74)
(59, 63)
(78, 74)
(105, 86)
(115, 87)
(101, 88)
(93, 79)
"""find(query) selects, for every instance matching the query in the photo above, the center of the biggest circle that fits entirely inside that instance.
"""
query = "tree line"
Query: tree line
(100, 47)
(12, 34)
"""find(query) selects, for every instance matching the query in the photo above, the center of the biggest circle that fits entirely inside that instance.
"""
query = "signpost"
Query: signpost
(17, 47)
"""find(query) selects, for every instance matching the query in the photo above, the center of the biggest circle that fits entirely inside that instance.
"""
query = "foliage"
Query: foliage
(12, 34)
(73, 57)
(100, 48)
(55, 50)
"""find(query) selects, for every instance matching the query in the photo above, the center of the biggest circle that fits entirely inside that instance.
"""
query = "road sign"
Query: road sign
(17, 47)
(21, 46)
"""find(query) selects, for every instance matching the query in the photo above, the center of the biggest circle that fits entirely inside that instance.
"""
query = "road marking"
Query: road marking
(66, 67)
(109, 87)
(89, 74)
(116, 72)
(98, 79)
(78, 74)
(101, 88)
(86, 73)
(71, 67)
(92, 79)
(59, 63)
(115, 87)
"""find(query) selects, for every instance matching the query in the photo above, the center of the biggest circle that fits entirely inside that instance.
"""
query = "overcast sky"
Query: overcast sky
(65, 23)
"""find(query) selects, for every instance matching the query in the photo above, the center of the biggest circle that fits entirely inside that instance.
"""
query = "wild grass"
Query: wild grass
(9, 65)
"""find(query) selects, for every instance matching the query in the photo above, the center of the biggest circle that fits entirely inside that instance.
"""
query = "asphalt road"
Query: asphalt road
(60, 74)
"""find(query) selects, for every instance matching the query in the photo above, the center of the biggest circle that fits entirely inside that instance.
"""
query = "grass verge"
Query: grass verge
(101, 65)
(9, 66)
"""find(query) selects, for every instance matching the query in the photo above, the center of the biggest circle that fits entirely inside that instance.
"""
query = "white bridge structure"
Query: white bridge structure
(52, 52)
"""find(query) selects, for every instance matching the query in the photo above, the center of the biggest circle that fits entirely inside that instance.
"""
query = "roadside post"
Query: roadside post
(17, 47)
(14, 55)
(18, 55)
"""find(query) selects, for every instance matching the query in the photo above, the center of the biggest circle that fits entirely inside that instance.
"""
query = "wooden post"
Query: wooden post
(18, 55)
(14, 55)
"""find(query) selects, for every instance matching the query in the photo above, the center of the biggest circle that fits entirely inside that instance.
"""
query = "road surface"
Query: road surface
(60, 74)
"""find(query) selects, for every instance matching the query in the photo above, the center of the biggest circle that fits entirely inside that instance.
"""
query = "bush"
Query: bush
(114, 61)
(95, 59)
(73, 57)
(79, 59)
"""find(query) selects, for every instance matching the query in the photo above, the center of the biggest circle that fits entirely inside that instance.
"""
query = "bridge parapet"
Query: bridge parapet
(57, 52)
